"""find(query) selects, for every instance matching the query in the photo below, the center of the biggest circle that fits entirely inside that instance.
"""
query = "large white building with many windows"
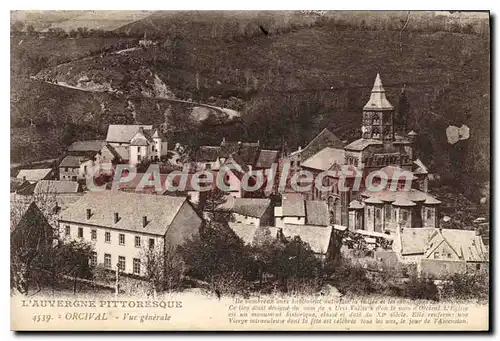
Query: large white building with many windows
(123, 226)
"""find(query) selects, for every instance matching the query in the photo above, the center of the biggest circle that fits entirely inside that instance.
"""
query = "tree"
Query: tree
(164, 268)
(17, 26)
(31, 241)
(30, 29)
(74, 259)
(220, 258)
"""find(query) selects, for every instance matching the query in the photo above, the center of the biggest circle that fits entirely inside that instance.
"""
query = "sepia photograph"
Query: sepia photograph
(250, 170)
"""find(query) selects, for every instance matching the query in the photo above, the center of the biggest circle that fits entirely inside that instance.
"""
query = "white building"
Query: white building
(137, 143)
(122, 226)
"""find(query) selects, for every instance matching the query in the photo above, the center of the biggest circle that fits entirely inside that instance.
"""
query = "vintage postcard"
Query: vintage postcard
(250, 170)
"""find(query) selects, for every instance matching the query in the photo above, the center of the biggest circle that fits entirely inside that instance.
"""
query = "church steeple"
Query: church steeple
(377, 100)
(378, 115)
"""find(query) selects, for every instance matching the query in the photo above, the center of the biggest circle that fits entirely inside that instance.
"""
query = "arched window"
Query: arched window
(375, 133)
(376, 120)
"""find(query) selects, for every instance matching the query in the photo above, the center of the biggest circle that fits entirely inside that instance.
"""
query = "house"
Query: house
(250, 211)
(249, 154)
(441, 252)
(137, 143)
(319, 238)
(297, 211)
(80, 158)
(34, 175)
(122, 226)
(291, 211)
(76, 167)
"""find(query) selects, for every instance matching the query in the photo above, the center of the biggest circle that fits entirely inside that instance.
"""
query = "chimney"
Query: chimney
(89, 213)
(300, 148)
(144, 221)
(117, 217)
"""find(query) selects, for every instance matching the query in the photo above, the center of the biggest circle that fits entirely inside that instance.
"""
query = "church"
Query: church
(393, 191)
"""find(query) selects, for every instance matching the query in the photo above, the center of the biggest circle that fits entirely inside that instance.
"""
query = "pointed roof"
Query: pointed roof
(377, 100)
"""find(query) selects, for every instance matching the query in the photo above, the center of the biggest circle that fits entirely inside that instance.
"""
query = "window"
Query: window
(85, 169)
(107, 261)
(107, 237)
(298, 163)
(93, 259)
(449, 255)
(478, 266)
(121, 239)
(93, 235)
(405, 215)
(429, 213)
(121, 263)
(137, 266)
(65, 169)
(137, 241)
(151, 243)
(67, 230)
(80, 232)
(377, 213)
(291, 163)
(73, 178)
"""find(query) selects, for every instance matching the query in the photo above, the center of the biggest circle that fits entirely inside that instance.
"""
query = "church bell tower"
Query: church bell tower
(378, 115)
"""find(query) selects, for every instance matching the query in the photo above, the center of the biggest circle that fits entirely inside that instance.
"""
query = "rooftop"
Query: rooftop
(361, 144)
(56, 187)
(251, 207)
(86, 146)
(317, 213)
(325, 158)
(293, 205)
(377, 100)
(73, 161)
(33, 174)
(160, 211)
(122, 133)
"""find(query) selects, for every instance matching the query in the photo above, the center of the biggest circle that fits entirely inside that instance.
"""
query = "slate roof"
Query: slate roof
(123, 133)
(121, 151)
(324, 139)
(361, 144)
(412, 195)
(251, 207)
(318, 237)
(117, 152)
(244, 153)
(465, 243)
(86, 146)
(160, 211)
(293, 205)
(317, 213)
(73, 161)
(207, 153)
(414, 240)
(34, 174)
(377, 97)
(266, 158)
(56, 186)
(245, 231)
(325, 159)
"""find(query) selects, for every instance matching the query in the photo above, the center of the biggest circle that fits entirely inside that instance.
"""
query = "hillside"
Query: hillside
(307, 73)
(46, 118)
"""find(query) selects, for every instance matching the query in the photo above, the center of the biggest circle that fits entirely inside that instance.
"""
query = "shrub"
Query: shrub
(467, 286)
(421, 288)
